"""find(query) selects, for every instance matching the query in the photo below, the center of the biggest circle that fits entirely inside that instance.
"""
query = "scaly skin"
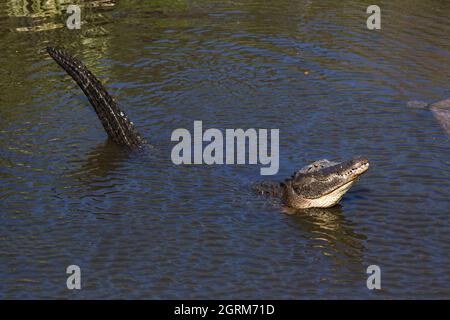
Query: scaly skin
(321, 184)
(116, 123)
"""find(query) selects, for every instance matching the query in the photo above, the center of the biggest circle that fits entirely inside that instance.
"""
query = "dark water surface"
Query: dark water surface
(141, 227)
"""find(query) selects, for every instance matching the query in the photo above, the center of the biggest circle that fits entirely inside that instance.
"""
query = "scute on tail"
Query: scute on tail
(117, 125)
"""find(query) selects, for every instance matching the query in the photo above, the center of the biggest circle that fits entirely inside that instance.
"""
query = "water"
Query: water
(141, 227)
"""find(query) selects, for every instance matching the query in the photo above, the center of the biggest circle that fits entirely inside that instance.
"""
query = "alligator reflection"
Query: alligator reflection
(330, 231)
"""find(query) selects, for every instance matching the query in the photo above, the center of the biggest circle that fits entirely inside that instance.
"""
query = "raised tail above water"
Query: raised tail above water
(116, 123)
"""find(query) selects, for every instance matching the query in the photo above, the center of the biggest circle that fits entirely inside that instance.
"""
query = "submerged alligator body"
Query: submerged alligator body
(319, 185)
(322, 184)
(440, 109)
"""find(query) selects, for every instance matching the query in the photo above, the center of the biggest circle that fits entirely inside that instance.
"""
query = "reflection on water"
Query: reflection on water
(34, 9)
(100, 162)
(37, 16)
(141, 227)
(331, 231)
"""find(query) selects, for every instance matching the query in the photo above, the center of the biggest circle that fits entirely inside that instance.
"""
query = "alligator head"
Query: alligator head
(323, 183)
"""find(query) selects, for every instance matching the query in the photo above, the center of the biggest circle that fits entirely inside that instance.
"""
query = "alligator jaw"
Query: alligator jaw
(328, 200)
(353, 169)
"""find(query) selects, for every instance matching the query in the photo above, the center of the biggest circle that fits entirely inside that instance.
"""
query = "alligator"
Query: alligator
(116, 123)
(321, 184)
(440, 110)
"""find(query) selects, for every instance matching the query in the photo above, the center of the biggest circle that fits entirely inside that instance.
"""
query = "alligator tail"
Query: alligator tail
(116, 123)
